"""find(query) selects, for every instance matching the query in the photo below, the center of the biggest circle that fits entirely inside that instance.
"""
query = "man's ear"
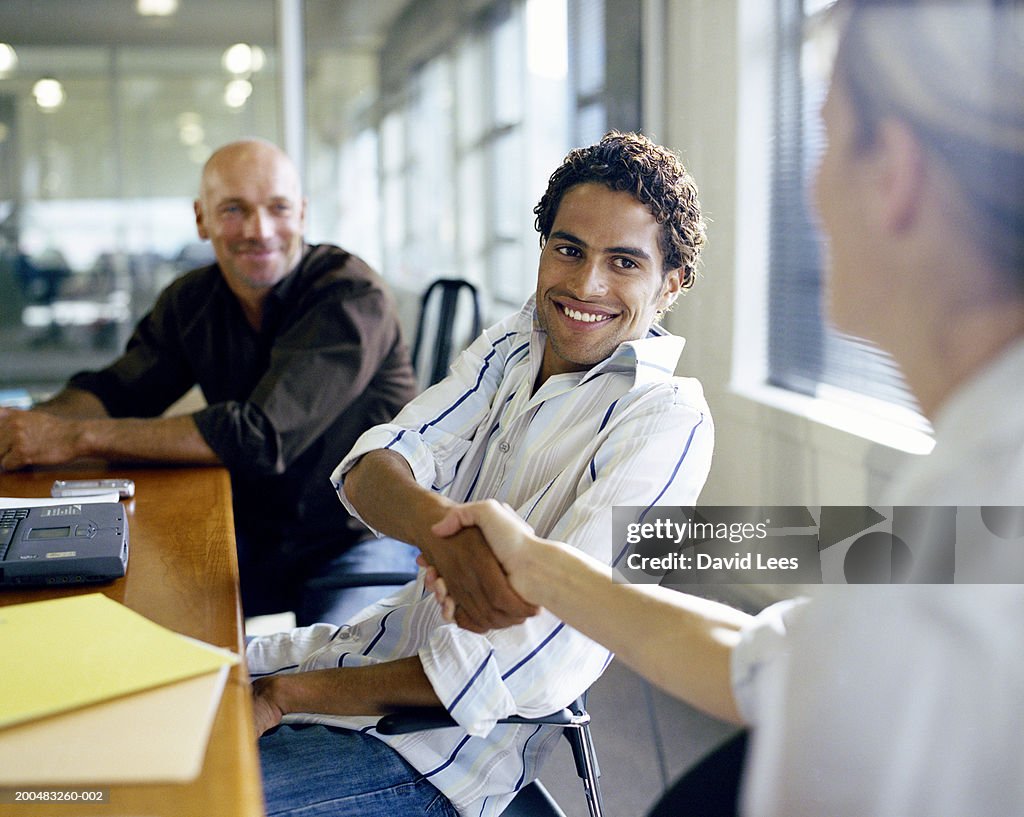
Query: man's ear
(671, 286)
(197, 206)
(899, 174)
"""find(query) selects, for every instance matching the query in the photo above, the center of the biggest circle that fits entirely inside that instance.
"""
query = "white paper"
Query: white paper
(46, 502)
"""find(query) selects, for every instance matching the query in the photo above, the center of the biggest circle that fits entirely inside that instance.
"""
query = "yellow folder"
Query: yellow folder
(66, 653)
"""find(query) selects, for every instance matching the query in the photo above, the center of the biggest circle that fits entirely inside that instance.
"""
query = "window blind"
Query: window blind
(804, 352)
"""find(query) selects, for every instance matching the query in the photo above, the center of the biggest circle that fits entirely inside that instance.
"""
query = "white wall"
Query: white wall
(771, 448)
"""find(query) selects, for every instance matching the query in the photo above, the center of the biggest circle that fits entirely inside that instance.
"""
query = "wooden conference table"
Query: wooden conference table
(182, 574)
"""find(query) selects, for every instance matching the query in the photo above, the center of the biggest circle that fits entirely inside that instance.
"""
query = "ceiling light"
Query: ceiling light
(8, 59)
(237, 92)
(156, 8)
(49, 93)
(191, 134)
(241, 59)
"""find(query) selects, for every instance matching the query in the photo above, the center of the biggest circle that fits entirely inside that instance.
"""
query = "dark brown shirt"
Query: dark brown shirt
(285, 404)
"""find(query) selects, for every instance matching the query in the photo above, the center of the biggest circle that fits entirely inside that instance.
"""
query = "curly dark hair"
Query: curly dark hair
(655, 177)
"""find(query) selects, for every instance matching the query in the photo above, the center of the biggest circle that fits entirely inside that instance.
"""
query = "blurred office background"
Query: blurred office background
(425, 130)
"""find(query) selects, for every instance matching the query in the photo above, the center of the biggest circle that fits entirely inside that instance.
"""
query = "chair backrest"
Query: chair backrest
(438, 319)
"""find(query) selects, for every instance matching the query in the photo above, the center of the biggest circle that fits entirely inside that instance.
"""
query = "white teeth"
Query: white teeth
(586, 317)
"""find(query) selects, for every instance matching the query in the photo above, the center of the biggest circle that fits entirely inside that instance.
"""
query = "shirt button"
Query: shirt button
(504, 447)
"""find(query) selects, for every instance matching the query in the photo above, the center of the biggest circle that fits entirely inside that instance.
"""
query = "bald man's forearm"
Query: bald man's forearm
(161, 439)
(76, 403)
(37, 437)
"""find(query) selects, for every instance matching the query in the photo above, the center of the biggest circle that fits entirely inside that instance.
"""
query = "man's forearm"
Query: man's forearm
(382, 489)
(375, 689)
(93, 433)
(680, 642)
(37, 437)
(74, 403)
(162, 439)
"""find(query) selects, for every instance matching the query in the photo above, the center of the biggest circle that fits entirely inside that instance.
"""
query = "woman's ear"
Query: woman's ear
(899, 174)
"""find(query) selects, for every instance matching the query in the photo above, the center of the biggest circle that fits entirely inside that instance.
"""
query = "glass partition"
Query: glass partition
(103, 132)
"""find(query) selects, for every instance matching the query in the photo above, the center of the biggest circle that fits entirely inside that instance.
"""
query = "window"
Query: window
(605, 59)
(475, 123)
(97, 181)
(588, 62)
(805, 354)
(431, 128)
(467, 143)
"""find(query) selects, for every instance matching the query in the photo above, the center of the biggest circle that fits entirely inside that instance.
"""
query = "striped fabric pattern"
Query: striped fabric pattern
(626, 432)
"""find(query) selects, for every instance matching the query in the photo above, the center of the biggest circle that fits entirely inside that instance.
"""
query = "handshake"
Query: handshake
(515, 594)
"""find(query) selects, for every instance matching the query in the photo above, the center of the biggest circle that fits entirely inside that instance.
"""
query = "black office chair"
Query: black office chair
(438, 311)
(533, 800)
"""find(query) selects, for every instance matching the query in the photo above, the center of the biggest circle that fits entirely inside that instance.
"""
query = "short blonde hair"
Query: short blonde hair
(954, 72)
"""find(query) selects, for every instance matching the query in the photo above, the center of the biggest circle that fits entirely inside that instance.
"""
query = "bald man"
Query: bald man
(297, 349)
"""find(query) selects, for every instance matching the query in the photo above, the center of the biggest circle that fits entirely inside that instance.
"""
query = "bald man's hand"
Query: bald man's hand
(36, 438)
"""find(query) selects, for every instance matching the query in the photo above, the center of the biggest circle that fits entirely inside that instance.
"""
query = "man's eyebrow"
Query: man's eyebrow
(636, 252)
(230, 200)
(562, 234)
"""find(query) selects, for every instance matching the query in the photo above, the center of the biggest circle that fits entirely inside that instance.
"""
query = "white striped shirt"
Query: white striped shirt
(626, 432)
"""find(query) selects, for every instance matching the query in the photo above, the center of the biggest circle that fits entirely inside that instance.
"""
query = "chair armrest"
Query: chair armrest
(361, 580)
(420, 719)
(415, 720)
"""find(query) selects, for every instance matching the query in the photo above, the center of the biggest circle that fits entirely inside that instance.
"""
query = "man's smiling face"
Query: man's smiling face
(252, 210)
(600, 281)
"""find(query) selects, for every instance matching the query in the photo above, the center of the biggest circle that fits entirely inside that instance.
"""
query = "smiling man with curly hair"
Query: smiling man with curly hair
(563, 410)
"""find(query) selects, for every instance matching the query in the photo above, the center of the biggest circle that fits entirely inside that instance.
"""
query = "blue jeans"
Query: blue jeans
(321, 771)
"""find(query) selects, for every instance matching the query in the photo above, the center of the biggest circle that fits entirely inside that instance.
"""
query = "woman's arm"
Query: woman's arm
(680, 642)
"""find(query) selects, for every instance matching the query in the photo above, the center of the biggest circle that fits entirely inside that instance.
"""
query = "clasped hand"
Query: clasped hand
(457, 586)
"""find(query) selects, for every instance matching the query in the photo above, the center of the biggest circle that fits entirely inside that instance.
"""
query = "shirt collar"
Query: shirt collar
(281, 291)
(650, 359)
(972, 418)
(978, 407)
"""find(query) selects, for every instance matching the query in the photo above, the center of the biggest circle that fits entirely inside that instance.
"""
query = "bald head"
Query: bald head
(251, 208)
(247, 154)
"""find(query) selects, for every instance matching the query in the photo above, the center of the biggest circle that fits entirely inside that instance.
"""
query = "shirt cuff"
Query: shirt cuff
(462, 669)
(403, 442)
(286, 651)
(760, 653)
